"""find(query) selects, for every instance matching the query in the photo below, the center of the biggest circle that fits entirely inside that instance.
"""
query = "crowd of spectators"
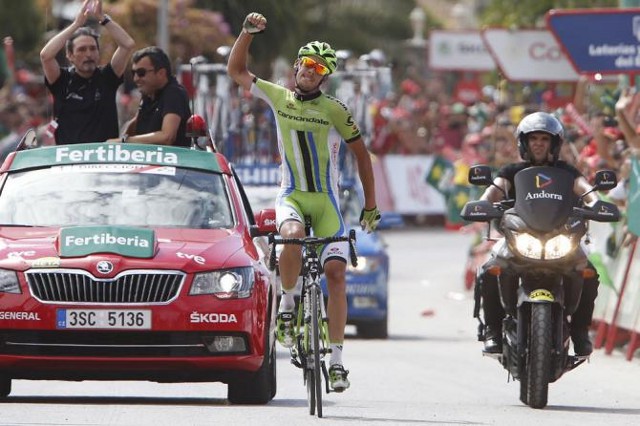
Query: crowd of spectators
(418, 115)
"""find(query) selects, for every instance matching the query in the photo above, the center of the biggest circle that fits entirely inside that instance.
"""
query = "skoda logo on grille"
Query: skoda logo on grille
(104, 267)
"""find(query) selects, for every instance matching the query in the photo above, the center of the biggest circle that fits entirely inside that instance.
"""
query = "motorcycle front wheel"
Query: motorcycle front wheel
(539, 355)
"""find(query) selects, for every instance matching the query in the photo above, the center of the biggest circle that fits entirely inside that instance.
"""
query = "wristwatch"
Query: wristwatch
(105, 19)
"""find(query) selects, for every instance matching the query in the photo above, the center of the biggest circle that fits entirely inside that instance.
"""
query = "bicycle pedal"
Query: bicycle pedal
(296, 363)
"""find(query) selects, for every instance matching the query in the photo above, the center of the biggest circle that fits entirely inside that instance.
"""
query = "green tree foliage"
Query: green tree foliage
(23, 21)
(530, 13)
(356, 25)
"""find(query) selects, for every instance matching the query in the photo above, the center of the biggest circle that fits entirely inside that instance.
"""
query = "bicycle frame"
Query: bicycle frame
(311, 328)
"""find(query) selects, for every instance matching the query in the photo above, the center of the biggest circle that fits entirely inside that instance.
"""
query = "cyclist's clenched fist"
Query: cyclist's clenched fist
(254, 23)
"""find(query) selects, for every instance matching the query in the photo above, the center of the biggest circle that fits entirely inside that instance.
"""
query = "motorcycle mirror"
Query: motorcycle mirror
(480, 175)
(480, 211)
(605, 212)
(605, 180)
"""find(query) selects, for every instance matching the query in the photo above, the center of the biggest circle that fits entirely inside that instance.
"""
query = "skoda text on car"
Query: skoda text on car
(132, 262)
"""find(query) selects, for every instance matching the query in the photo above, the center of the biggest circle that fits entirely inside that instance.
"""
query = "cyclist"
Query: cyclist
(540, 136)
(304, 117)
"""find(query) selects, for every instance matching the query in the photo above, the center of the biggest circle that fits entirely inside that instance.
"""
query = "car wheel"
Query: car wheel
(373, 329)
(259, 387)
(5, 387)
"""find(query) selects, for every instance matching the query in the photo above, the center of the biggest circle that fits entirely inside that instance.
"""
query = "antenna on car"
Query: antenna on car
(196, 125)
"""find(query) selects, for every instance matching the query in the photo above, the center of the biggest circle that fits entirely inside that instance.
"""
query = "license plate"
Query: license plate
(104, 318)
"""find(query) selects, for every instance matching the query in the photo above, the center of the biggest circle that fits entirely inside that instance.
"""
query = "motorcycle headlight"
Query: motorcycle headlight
(558, 247)
(528, 245)
(225, 284)
(9, 282)
(366, 265)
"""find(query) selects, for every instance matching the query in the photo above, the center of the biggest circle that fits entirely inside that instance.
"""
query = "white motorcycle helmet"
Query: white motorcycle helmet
(539, 122)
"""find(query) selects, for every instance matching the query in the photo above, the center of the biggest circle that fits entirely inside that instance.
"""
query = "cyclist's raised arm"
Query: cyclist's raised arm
(237, 65)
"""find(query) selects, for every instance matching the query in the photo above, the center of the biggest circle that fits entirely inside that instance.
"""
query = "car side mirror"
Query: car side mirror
(265, 223)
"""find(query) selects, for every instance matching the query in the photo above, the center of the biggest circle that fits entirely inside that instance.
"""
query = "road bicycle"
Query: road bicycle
(311, 326)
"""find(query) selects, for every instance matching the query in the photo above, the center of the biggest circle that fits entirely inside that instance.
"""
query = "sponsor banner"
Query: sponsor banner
(459, 50)
(407, 182)
(105, 153)
(125, 241)
(259, 174)
(528, 55)
(599, 40)
(384, 198)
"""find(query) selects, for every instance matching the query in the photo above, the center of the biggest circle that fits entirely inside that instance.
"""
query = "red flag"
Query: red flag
(577, 118)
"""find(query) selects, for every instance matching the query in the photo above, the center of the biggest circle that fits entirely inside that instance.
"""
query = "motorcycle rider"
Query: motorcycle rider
(539, 136)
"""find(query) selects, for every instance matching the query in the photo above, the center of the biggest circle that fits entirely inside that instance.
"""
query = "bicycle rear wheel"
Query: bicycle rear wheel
(314, 386)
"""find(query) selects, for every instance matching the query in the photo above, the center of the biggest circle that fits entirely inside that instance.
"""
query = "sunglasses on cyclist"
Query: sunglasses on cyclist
(141, 72)
(319, 68)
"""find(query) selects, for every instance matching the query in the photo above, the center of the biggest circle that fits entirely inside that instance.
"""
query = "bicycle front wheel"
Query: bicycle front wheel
(314, 386)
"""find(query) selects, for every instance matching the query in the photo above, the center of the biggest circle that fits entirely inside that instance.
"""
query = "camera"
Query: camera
(609, 122)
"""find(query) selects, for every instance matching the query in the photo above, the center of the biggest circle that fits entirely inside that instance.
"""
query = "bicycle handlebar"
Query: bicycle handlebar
(313, 242)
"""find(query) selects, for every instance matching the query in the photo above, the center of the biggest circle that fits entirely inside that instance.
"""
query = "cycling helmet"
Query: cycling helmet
(539, 122)
(321, 49)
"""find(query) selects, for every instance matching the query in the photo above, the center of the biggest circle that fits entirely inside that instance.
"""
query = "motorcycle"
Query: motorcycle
(540, 267)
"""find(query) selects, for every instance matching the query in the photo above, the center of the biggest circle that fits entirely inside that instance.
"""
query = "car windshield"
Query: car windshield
(130, 195)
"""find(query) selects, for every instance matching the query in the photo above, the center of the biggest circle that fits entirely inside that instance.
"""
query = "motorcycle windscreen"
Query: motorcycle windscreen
(544, 197)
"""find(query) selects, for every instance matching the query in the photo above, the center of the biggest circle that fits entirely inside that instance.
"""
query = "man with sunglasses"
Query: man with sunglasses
(164, 108)
(304, 117)
(84, 95)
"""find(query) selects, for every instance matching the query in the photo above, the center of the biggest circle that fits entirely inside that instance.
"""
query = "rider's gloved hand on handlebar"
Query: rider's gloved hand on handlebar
(254, 23)
(369, 219)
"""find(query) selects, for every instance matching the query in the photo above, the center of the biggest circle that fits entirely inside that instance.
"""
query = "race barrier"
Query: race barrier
(617, 311)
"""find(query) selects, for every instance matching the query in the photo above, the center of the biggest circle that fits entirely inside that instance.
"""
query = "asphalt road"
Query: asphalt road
(429, 372)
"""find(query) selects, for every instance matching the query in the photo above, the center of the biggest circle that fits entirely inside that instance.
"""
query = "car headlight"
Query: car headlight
(225, 284)
(558, 247)
(528, 245)
(366, 265)
(9, 282)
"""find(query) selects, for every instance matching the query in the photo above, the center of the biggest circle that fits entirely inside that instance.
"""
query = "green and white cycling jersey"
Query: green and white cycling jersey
(309, 156)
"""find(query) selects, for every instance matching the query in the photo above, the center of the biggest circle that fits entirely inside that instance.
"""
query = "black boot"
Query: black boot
(582, 345)
(493, 340)
(581, 318)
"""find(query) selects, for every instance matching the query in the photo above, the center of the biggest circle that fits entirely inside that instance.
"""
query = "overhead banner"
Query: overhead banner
(605, 41)
(528, 55)
(459, 51)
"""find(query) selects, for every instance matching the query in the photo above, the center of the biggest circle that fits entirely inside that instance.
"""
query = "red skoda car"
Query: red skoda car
(133, 262)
